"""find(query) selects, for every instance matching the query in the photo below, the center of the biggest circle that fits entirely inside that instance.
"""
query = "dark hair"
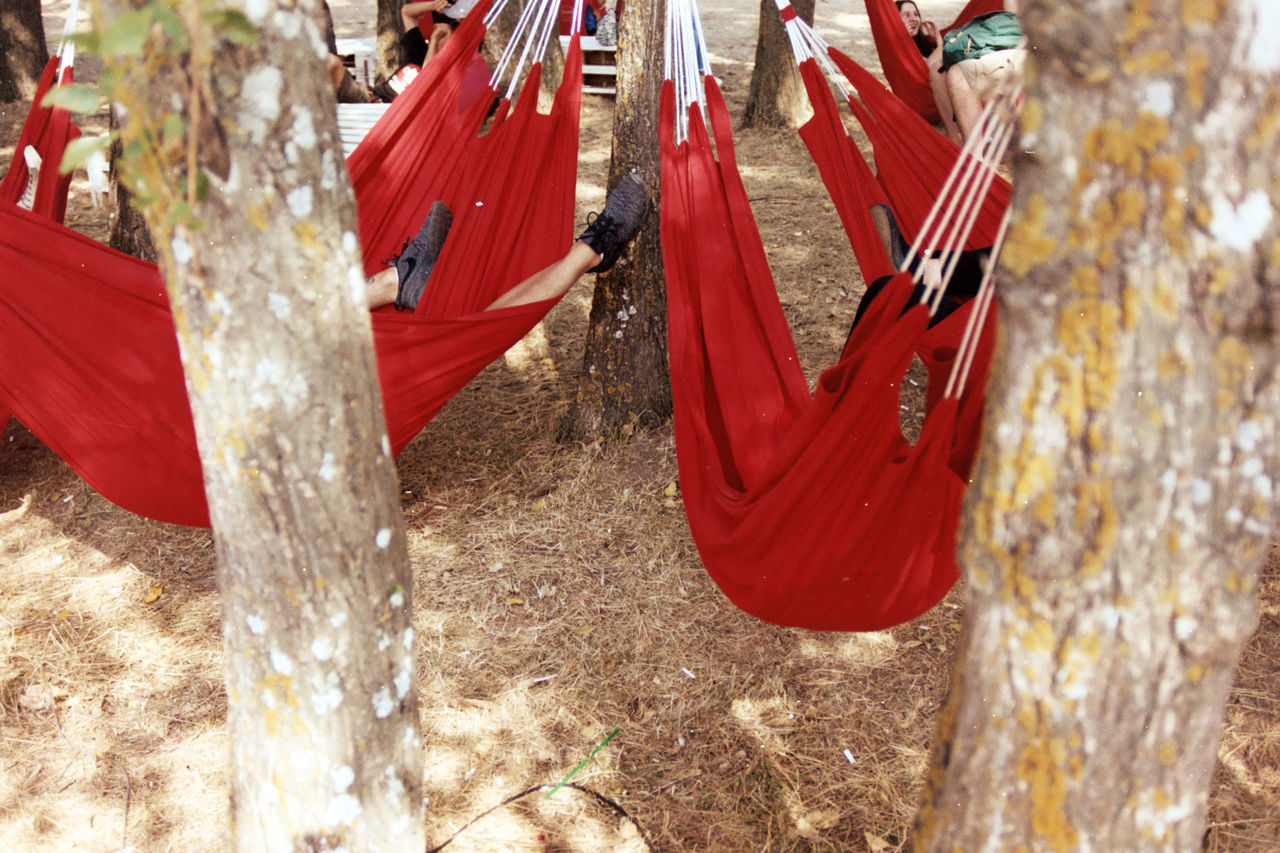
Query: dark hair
(901, 3)
(924, 44)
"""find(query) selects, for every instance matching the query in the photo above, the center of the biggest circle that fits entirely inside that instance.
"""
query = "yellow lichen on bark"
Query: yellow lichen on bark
(1196, 13)
(1027, 244)
(1196, 64)
(1042, 766)
(1231, 366)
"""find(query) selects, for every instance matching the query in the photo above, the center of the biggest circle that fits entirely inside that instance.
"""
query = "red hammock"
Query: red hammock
(49, 129)
(808, 510)
(88, 356)
(903, 66)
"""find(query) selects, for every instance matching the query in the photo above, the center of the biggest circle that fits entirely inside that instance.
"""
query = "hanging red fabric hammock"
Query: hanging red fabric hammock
(48, 130)
(808, 510)
(88, 356)
(900, 59)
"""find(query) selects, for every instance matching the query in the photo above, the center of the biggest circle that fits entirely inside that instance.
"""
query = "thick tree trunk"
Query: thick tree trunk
(23, 53)
(777, 97)
(389, 29)
(265, 279)
(497, 38)
(1125, 497)
(624, 381)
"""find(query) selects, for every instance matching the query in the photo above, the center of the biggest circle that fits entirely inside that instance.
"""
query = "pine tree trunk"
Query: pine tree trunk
(388, 38)
(1125, 496)
(23, 53)
(268, 300)
(624, 382)
(777, 97)
(129, 231)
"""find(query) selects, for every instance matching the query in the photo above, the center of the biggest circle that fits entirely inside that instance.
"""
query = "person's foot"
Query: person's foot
(418, 258)
(887, 227)
(612, 228)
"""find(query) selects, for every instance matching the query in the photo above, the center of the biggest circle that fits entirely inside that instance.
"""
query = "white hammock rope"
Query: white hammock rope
(66, 47)
(529, 39)
(686, 61)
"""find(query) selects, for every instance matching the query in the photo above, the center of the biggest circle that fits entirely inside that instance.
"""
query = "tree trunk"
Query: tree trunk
(129, 231)
(389, 29)
(499, 34)
(23, 53)
(265, 279)
(624, 381)
(1125, 496)
(777, 97)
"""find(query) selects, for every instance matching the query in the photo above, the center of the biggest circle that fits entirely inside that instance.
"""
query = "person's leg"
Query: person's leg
(964, 100)
(941, 98)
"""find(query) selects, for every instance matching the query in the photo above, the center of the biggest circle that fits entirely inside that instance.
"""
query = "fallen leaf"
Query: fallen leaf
(673, 489)
(875, 844)
(515, 601)
(153, 594)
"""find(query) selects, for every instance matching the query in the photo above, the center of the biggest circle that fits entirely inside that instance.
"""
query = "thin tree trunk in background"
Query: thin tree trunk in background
(777, 97)
(1125, 497)
(129, 231)
(23, 52)
(388, 34)
(624, 382)
(268, 300)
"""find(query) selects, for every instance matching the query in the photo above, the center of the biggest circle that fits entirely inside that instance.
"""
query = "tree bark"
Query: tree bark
(23, 52)
(777, 97)
(1125, 496)
(624, 382)
(268, 297)
(389, 29)
(129, 231)
(499, 34)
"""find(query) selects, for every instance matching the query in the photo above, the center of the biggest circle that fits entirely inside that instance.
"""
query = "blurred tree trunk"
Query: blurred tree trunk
(129, 231)
(389, 29)
(265, 279)
(1125, 498)
(499, 35)
(624, 381)
(777, 97)
(23, 53)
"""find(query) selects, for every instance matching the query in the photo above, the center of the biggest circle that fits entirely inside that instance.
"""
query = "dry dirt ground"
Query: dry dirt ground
(558, 598)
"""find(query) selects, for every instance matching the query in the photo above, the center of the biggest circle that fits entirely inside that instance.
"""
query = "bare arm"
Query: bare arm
(410, 12)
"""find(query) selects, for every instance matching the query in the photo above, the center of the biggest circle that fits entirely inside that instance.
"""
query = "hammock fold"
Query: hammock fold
(48, 129)
(88, 354)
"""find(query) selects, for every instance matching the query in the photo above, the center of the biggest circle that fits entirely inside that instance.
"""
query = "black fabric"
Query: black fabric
(330, 37)
(964, 286)
(413, 47)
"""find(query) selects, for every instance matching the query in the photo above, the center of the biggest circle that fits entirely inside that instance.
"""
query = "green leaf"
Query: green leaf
(232, 25)
(171, 25)
(202, 186)
(79, 149)
(88, 41)
(76, 98)
(127, 33)
(174, 127)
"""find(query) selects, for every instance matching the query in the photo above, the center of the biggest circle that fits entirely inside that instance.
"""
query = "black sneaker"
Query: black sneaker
(418, 257)
(612, 228)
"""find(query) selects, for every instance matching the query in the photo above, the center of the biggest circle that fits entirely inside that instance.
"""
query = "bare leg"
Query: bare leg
(548, 283)
(941, 97)
(965, 100)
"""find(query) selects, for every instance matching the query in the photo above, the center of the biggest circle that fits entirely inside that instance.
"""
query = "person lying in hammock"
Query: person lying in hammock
(965, 279)
(974, 63)
(597, 249)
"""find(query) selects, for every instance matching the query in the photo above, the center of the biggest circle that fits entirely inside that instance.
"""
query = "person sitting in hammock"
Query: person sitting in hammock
(419, 43)
(597, 249)
(976, 62)
(923, 33)
(966, 278)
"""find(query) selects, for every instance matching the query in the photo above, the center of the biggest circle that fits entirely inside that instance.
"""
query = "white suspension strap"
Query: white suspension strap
(529, 40)
(685, 61)
(959, 377)
(807, 44)
(66, 47)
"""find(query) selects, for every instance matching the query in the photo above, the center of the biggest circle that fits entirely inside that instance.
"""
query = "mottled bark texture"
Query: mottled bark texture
(1125, 497)
(269, 304)
(129, 231)
(777, 97)
(624, 382)
(390, 26)
(23, 53)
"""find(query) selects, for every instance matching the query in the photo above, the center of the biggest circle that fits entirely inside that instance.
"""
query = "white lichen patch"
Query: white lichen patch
(300, 202)
(383, 704)
(386, 445)
(281, 662)
(304, 128)
(341, 810)
(382, 539)
(404, 679)
(1240, 226)
(261, 94)
(279, 306)
(407, 638)
(396, 599)
(342, 777)
(328, 467)
(1261, 52)
(287, 23)
(322, 648)
(1157, 97)
(257, 625)
(182, 251)
(1248, 434)
(256, 10)
(325, 700)
(271, 383)
(338, 619)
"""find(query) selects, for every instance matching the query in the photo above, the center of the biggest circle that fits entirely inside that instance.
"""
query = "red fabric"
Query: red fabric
(89, 360)
(912, 162)
(809, 510)
(903, 66)
(49, 129)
